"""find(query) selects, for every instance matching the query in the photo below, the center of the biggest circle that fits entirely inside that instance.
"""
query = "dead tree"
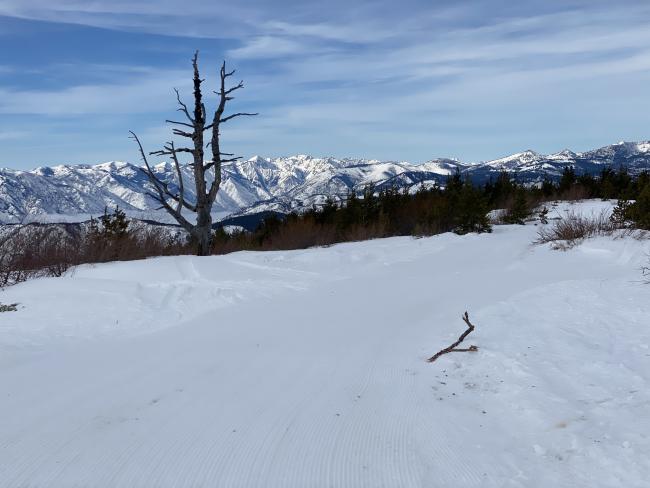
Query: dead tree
(206, 184)
(452, 348)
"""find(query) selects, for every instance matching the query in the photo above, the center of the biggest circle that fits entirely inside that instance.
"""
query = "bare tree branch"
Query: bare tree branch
(179, 132)
(183, 106)
(181, 199)
(234, 88)
(179, 123)
(166, 152)
(238, 114)
(209, 165)
(452, 348)
(162, 189)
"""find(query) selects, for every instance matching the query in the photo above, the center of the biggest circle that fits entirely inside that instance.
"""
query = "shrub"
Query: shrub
(639, 211)
(33, 250)
(519, 210)
(470, 211)
(573, 228)
(41, 250)
(621, 214)
(12, 307)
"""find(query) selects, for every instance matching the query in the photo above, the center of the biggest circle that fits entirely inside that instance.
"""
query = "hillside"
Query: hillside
(307, 368)
(74, 193)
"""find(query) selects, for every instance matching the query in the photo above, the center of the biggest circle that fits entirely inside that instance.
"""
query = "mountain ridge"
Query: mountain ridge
(75, 192)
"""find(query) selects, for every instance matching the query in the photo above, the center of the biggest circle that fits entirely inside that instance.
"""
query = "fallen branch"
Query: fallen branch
(452, 348)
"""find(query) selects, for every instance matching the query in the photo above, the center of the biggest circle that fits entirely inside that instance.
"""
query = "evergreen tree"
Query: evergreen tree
(548, 187)
(639, 211)
(568, 179)
(620, 213)
(470, 211)
(519, 211)
(114, 225)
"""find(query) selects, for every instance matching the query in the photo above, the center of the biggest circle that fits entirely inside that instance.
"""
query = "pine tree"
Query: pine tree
(548, 187)
(470, 211)
(568, 179)
(639, 211)
(519, 211)
(114, 226)
(620, 213)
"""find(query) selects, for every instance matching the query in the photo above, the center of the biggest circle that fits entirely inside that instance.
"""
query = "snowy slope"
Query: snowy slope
(259, 184)
(76, 192)
(307, 368)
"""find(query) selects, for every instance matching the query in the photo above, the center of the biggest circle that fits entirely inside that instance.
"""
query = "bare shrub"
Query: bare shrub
(575, 192)
(300, 234)
(49, 250)
(34, 250)
(573, 228)
(142, 241)
(12, 307)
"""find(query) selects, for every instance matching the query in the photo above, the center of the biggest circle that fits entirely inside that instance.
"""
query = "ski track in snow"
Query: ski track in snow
(307, 368)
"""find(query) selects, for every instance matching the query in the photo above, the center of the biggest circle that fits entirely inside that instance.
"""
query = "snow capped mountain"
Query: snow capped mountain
(75, 192)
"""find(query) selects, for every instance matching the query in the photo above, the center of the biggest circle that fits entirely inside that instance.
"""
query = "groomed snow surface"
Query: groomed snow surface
(308, 368)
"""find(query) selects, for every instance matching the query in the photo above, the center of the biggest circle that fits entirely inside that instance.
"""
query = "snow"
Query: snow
(295, 183)
(308, 368)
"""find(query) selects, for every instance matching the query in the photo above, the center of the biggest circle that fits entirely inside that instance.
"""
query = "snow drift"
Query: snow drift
(307, 368)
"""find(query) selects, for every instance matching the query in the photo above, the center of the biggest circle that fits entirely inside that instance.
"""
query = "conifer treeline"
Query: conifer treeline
(458, 206)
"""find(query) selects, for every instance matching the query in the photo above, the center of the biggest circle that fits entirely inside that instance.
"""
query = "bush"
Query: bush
(8, 308)
(49, 250)
(469, 211)
(639, 211)
(33, 250)
(520, 208)
(573, 228)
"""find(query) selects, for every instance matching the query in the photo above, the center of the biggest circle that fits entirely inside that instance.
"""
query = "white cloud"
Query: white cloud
(354, 74)
(269, 47)
(8, 135)
(141, 94)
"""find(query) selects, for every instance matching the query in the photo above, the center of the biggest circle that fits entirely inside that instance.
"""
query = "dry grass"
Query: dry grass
(574, 228)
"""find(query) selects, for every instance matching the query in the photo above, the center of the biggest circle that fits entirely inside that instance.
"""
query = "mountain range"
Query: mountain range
(76, 192)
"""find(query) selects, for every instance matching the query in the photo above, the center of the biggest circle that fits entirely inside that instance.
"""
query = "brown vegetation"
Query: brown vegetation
(39, 250)
(569, 230)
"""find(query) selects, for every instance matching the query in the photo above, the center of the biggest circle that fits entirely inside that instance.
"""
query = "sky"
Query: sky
(408, 81)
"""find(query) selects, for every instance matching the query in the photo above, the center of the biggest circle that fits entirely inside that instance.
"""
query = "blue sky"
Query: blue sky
(408, 80)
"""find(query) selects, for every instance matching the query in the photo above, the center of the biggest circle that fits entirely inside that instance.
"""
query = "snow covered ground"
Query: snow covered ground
(308, 368)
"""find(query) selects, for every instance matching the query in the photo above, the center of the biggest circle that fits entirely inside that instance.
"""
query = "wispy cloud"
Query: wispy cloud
(8, 135)
(137, 95)
(385, 76)
(270, 47)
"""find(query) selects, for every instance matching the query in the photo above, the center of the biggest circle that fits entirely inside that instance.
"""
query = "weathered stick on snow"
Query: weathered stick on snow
(452, 348)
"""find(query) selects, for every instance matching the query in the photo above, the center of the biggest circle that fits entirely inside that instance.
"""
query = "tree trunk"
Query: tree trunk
(203, 231)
